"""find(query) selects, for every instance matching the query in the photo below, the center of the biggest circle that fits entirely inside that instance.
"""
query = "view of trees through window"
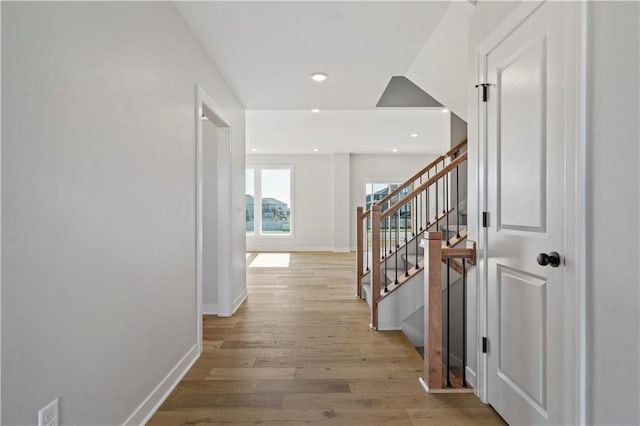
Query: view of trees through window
(272, 187)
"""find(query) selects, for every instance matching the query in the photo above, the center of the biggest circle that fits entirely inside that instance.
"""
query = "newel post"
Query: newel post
(433, 311)
(359, 251)
(375, 264)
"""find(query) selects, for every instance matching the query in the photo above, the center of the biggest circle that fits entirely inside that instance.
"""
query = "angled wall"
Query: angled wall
(441, 68)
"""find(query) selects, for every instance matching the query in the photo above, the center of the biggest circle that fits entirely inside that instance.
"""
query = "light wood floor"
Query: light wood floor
(300, 351)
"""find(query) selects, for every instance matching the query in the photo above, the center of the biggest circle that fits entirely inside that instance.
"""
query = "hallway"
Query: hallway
(299, 351)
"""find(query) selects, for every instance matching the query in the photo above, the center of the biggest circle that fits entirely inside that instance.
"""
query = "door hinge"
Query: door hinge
(485, 219)
(484, 345)
(485, 90)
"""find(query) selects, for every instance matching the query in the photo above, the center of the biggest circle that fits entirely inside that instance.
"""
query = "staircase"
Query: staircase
(391, 251)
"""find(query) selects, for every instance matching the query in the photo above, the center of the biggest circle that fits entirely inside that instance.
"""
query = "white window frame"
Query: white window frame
(252, 233)
(257, 200)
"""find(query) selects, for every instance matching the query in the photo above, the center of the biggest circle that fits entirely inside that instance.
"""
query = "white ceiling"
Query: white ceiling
(267, 50)
(355, 131)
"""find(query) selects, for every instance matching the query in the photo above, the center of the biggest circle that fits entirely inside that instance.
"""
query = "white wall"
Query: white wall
(327, 190)
(441, 67)
(98, 195)
(459, 179)
(312, 201)
(209, 216)
(612, 181)
(379, 168)
(341, 176)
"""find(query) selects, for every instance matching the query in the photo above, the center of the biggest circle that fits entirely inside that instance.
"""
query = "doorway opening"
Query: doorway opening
(213, 212)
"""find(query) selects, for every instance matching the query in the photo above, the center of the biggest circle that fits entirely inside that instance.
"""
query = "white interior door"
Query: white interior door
(525, 167)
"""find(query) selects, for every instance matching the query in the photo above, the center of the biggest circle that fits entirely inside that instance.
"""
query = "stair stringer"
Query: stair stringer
(392, 262)
(400, 304)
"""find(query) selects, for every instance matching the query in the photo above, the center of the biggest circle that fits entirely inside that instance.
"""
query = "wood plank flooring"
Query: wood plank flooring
(300, 351)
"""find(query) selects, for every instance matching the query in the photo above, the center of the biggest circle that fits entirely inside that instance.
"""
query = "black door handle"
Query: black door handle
(553, 259)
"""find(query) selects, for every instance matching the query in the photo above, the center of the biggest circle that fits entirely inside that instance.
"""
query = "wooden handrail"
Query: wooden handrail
(452, 165)
(436, 251)
(377, 216)
(456, 148)
(420, 173)
(468, 253)
(453, 241)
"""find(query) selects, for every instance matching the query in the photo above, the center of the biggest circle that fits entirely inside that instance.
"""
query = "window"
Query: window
(375, 192)
(398, 224)
(268, 199)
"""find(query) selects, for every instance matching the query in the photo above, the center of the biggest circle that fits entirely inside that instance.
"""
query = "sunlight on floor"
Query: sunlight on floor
(270, 260)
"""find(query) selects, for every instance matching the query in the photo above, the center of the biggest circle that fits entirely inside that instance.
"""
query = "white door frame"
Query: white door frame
(207, 107)
(575, 213)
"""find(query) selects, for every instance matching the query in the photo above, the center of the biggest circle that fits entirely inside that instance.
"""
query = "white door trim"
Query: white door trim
(206, 106)
(575, 192)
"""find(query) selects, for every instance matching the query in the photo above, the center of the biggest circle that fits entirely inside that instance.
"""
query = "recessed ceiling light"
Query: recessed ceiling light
(253, 149)
(319, 76)
(315, 110)
(315, 150)
(414, 135)
(394, 150)
(445, 110)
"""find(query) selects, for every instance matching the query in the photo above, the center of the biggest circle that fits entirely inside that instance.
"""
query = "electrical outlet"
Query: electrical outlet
(48, 416)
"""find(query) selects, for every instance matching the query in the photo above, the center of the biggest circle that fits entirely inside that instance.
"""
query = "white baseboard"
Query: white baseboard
(285, 249)
(239, 300)
(151, 403)
(210, 309)
(341, 249)
(423, 384)
(471, 377)
(388, 326)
